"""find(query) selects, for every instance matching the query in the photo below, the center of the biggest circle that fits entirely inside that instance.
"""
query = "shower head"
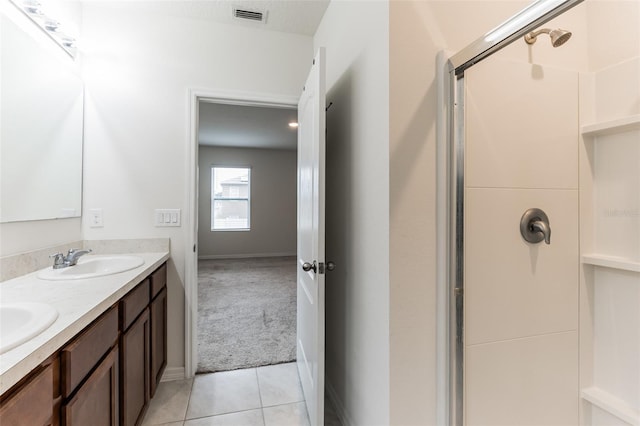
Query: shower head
(558, 36)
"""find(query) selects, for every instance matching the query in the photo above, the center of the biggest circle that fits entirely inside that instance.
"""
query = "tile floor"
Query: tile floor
(263, 396)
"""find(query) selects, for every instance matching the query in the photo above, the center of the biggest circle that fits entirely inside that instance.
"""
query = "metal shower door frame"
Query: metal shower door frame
(531, 17)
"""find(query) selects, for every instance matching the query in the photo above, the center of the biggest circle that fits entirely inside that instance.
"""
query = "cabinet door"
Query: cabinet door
(134, 371)
(96, 401)
(32, 403)
(158, 338)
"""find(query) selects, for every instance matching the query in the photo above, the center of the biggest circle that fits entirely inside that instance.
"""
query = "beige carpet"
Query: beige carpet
(246, 313)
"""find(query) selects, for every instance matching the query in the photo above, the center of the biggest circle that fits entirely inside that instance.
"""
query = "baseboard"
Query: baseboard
(243, 256)
(345, 420)
(172, 373)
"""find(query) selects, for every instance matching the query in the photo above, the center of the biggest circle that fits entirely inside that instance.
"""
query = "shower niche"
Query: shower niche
(610, 245)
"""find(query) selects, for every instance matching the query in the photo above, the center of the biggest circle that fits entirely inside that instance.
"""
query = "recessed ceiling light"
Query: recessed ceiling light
(293, 124)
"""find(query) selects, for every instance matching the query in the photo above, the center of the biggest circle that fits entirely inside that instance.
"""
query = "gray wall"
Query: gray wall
(273, 203)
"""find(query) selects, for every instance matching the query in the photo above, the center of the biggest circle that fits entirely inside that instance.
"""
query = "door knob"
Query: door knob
(331, 266)
(306, 266)
(534, 226)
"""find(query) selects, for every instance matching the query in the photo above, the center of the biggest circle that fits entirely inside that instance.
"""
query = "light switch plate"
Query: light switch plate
(167, 217)
(95, 218)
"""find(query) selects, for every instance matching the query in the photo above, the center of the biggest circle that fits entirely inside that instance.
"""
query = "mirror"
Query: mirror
(41, 114)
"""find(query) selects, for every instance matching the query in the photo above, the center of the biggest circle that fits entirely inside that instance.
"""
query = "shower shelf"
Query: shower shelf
(611, 262)
(609, 127)
(611, 404)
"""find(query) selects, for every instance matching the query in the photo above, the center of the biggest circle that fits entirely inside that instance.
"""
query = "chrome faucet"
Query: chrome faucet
(62, 261)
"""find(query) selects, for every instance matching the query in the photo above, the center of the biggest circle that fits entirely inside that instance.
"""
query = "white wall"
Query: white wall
(273, 203)
(611, 44)
(356, 36)
(140, 60)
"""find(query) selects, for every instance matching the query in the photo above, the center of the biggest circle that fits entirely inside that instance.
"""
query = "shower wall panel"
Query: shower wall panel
(521, 299)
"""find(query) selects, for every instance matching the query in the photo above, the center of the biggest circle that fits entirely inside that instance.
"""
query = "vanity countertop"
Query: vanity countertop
(78, 303)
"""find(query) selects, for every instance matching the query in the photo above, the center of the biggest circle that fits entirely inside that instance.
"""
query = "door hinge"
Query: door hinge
(194, 248)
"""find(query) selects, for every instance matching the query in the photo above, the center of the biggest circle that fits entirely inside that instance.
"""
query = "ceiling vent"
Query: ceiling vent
(249, 15)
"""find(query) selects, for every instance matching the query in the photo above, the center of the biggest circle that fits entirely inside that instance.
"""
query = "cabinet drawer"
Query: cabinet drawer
(133, 304)
(158, 280)
(32, 404)
(80, 356)
(96, 401)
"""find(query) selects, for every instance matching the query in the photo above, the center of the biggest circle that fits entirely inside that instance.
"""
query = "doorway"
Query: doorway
(197, 99)
(246, 267)
(310, 190)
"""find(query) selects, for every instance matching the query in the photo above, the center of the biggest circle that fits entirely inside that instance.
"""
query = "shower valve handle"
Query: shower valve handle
(534, 226)
(540, 226)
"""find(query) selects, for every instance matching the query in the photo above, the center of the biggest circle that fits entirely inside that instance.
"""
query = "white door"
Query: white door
(311, 259)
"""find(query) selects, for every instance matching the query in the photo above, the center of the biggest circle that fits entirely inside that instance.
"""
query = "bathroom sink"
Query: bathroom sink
(92, 267)
(20, 322)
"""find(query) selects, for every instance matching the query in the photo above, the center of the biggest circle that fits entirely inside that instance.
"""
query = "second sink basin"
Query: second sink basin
(23, 321)
(93, 266)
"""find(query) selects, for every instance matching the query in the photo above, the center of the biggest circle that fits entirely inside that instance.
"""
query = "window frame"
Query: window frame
(213, 198)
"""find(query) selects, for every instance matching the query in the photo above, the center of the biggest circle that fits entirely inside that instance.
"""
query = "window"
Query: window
(230, 198)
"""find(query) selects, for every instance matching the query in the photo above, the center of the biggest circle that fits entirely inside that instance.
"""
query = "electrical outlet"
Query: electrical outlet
(167, 217)
(95, 218)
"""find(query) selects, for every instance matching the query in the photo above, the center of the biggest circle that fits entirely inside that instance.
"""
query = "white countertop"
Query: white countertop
(78, 303)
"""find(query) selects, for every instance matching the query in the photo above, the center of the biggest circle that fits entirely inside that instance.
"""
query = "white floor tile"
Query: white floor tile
(279, 384)
(286, 415)
(169, 404)
(242, 418)
(225, 392)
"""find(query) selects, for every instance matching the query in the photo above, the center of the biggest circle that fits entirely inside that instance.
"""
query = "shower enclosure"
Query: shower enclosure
(544, 231)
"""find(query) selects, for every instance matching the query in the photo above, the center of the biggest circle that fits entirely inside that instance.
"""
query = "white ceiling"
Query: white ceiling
(247, 126)
(291, 16)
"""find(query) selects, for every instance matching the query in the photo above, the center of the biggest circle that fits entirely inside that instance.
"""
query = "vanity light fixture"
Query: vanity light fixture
(50, 25)
(34, 11)
(293, 124)
(32, 7)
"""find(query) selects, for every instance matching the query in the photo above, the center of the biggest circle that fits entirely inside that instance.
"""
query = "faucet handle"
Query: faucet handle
(58, 259)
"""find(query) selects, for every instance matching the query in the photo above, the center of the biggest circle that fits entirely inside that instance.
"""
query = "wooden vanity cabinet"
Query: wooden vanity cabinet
(106, 374)
(158, 313)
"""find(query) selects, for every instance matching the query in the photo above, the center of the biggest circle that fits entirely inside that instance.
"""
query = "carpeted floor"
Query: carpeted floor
(246, 313)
